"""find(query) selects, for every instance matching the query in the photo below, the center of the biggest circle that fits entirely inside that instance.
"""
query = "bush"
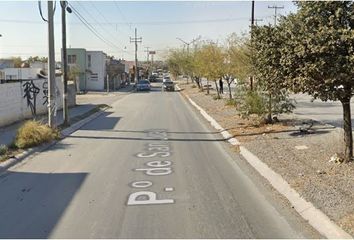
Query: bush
(216, 97)
(33, 133)
(231, 102)
(194, 86)
(3, 150)
(253, 103)
(257, 102)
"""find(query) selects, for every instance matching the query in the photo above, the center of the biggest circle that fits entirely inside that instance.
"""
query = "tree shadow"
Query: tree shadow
(31, 203)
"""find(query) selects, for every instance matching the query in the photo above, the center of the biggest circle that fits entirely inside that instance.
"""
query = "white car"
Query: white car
(166, 79)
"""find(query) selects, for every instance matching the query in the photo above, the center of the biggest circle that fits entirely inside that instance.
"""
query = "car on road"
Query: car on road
(168, 86)
(153, 78)
(143, 85)
(166, 79)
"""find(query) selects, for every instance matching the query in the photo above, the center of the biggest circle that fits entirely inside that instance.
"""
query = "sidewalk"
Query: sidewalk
(84, 104)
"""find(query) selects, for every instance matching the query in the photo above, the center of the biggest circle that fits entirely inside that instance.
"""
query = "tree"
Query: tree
(17, 61)
(73, 73)
(237, 62)
(37, 59)
(211, 60)
(266, 59)
(318, 55)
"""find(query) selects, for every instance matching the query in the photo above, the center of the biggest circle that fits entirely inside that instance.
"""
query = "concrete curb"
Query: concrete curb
(66, 132)
(316, 218)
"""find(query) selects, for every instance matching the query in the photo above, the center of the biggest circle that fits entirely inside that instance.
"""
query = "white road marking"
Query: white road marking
(142, 184)
(169, 189)
(155, 171)
(151, 199)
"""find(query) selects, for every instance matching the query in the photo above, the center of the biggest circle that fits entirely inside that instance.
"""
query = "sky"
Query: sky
(159, 23)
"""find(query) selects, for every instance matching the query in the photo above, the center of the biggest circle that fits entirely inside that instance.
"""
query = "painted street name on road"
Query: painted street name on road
(153, 168)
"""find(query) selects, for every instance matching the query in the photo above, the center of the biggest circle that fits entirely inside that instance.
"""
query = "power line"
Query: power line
(104, 18)
(99, 25)
(275, 7)
(90, 27)
(142, 23)
(124, 18)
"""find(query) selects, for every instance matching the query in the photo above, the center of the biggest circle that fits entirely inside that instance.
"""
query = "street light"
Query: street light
(194, 40)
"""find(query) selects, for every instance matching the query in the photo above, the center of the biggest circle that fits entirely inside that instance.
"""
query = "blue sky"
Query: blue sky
(158, 23)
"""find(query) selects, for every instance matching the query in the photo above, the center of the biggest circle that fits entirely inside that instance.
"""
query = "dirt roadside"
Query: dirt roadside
(303, 160)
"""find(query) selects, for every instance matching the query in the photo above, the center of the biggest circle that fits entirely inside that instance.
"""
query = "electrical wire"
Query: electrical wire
(99, 25)
(40, 10)
(90, 27)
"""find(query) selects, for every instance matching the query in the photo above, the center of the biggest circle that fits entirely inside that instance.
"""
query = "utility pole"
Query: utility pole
(147, 54)
(256, 20)
(275, 7)
(107, 79)
(252, 25)
(252, 14)
(136, 40)
(65, 62)
(51, 66)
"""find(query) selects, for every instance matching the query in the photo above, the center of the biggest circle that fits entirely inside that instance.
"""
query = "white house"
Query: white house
(20, 73)
(96, 70)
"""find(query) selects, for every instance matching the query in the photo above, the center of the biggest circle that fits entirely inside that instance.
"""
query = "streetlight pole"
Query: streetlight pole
(65, 62)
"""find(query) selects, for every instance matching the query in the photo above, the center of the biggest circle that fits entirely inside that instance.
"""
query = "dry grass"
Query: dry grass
(33, 133)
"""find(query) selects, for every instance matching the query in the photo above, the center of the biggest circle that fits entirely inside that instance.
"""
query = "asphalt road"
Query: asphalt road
(330, 112)
(147, 168)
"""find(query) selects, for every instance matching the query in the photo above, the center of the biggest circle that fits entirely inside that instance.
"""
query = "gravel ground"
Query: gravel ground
(328, 185)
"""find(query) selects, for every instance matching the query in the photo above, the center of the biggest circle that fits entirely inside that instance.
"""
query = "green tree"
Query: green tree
(318, 55)
(17, 61)
(73, 74)
(266, 42)
(211, 60)
(237, 61)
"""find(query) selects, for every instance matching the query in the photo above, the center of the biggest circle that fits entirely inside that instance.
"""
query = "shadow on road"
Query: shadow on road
(31, 203)
(151, 139)
(105, 122)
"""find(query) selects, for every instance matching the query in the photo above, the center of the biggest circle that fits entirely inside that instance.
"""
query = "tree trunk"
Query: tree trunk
(207, 86)
(347, 126)
(229, 86)
(269, 117)
(217, 89)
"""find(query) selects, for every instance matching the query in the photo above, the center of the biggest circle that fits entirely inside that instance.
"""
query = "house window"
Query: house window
(94, 77)
(71, 59)
(89, 60)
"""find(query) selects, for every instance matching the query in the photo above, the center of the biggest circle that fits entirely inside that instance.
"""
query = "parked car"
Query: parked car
(168, 86)
(143, 85)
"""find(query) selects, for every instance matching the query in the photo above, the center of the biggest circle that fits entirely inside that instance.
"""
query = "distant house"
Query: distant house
(77, 62)
(116, 70)
(96, 70)
(20, 73)
(6, 63)
(91, 67)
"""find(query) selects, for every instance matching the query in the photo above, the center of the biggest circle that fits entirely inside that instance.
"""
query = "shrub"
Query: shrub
(3, 149)
(252, 103)
(194, 86)
(231, 102)
(216, 97)
(33, 133)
